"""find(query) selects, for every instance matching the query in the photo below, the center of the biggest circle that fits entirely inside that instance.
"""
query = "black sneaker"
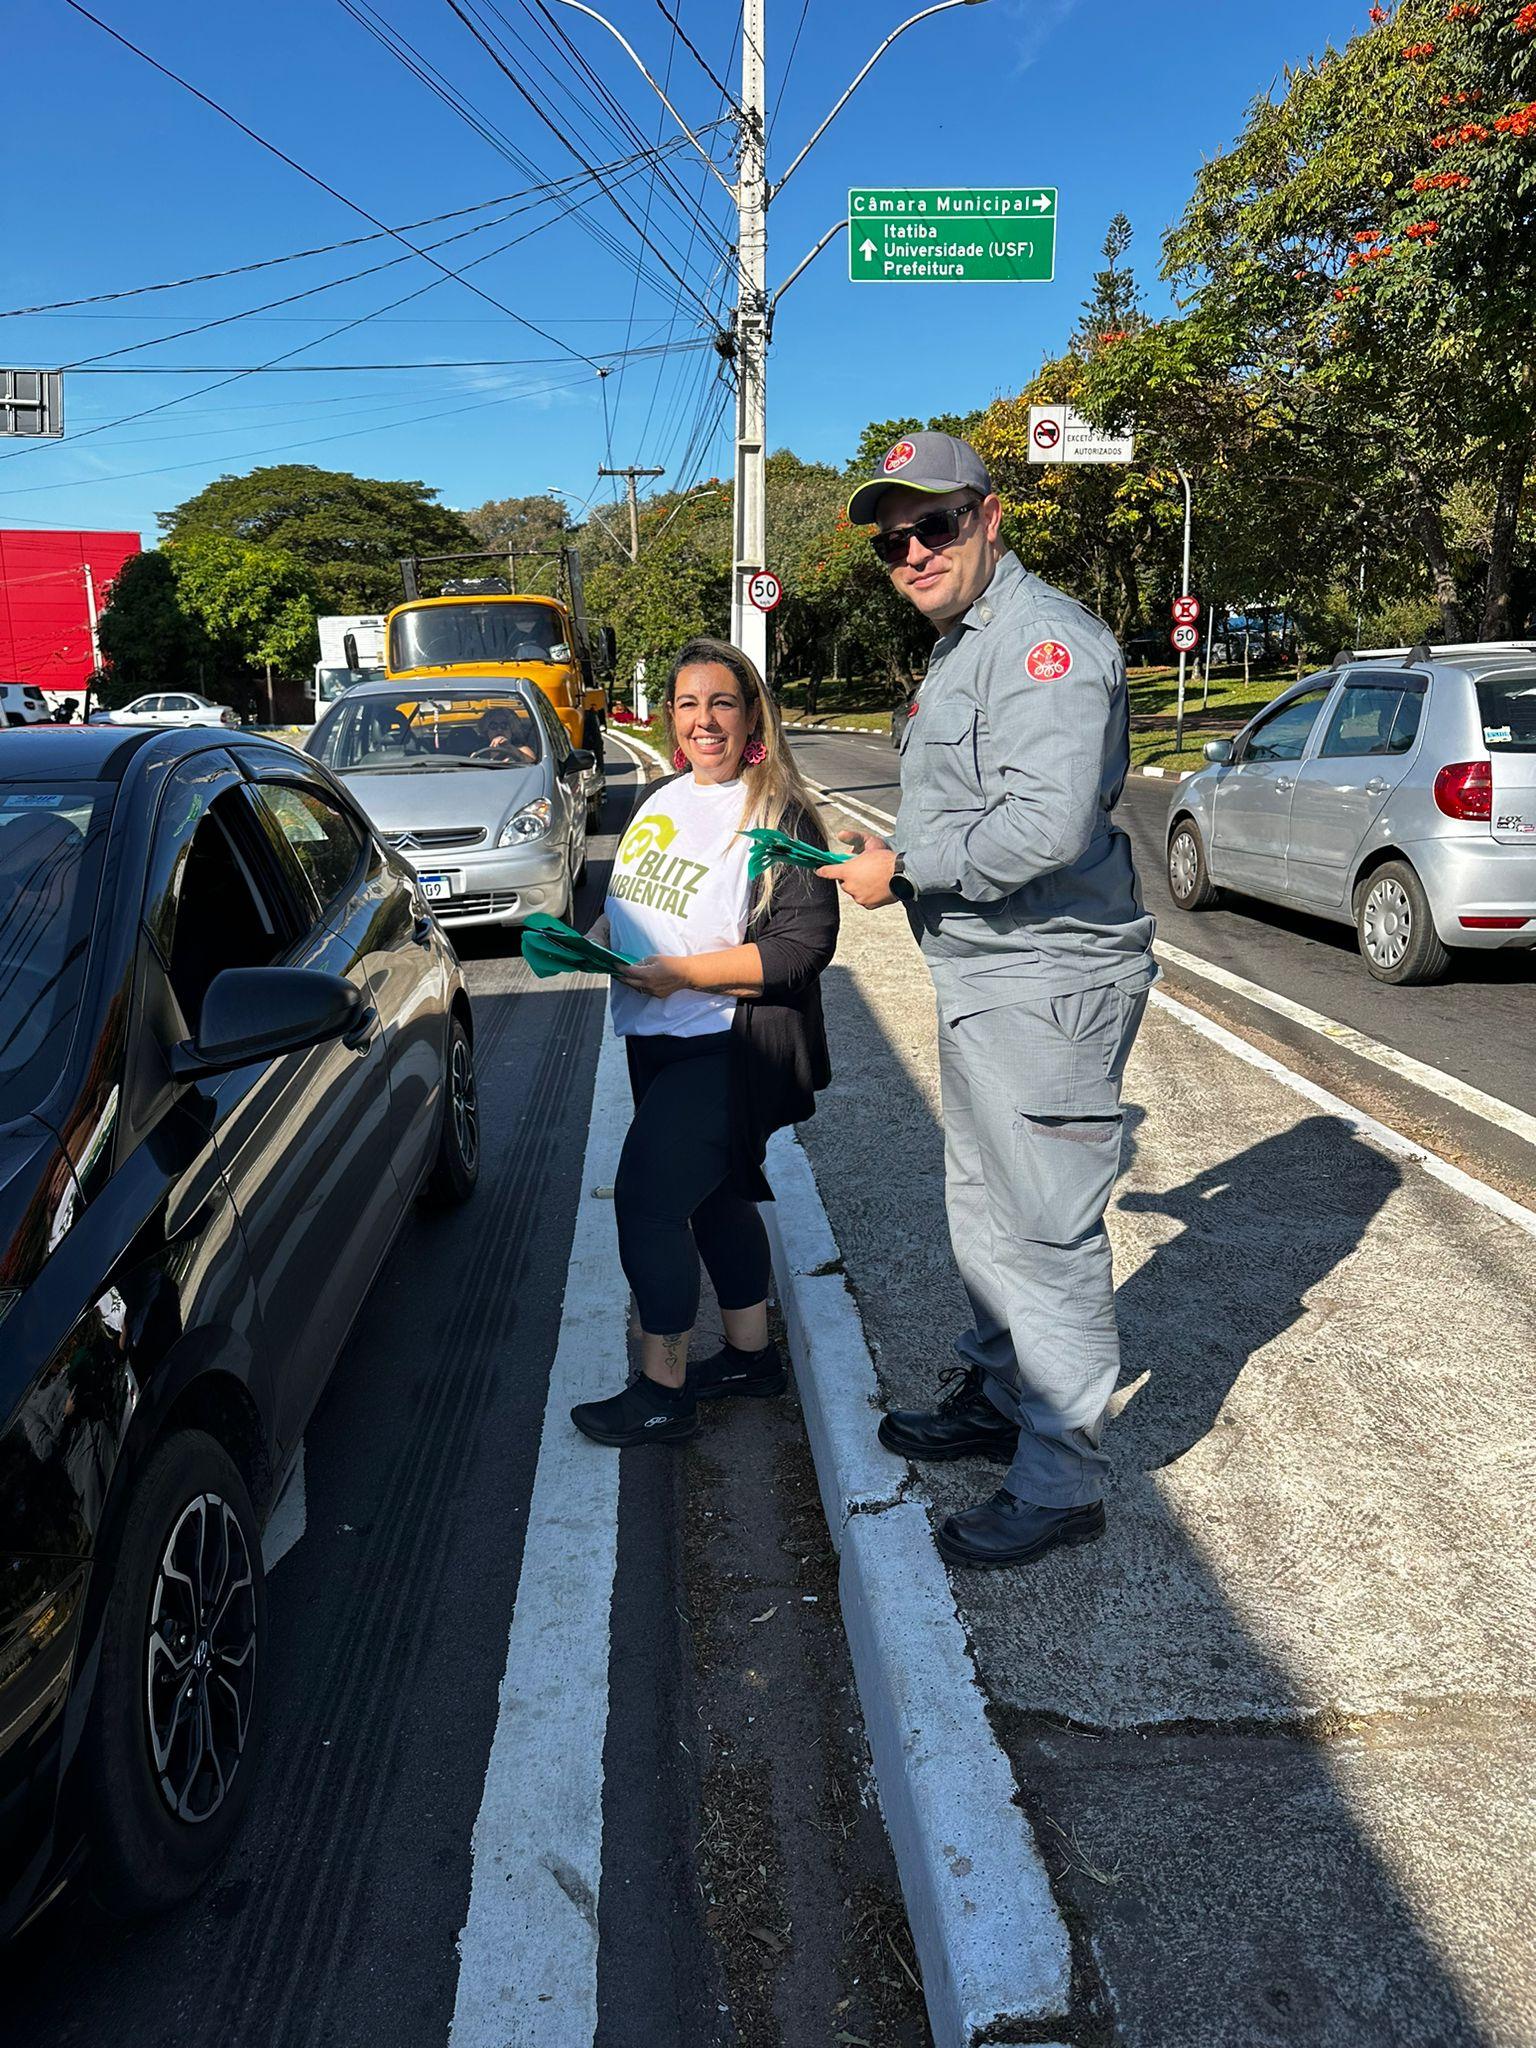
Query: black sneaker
(963, 1425)
(738, 1372)
(643, 1414)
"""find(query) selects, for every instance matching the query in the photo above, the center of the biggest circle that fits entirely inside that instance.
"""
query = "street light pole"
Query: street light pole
(749, 626)
(1178, 722)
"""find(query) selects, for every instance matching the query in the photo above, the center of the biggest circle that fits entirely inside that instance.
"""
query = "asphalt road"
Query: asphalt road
(1479, 1025)
(335, 1917)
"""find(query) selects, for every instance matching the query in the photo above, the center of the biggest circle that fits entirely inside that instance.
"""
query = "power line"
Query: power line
(805, 8)
(679, 31)
(315, 179)
(279, 368)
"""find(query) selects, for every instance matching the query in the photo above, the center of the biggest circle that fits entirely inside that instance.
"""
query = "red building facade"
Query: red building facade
(45, 619)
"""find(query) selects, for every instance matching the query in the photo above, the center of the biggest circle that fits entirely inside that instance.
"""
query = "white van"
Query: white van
(23, 704)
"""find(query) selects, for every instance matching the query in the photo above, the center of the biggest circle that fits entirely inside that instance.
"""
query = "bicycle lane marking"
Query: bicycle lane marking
(528, 1950)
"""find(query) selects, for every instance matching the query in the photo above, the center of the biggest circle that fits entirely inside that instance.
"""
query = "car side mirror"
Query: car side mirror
(559, 652)
(1219, 751)
(580, 761)
(259, 1013)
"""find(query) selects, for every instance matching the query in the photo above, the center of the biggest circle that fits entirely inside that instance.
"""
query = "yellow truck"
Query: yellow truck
(484, 626)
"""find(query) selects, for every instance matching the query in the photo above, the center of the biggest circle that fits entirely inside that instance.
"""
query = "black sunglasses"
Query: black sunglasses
(935, 529)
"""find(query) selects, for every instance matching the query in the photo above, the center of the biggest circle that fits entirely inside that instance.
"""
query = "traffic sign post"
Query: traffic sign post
(952, 235)
(765, 590)
(1058, 434)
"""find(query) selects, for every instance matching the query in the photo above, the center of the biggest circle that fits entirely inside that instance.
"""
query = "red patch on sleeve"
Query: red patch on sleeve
(1048, 661)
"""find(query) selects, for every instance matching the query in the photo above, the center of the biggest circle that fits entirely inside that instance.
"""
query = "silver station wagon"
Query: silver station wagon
(1395, 792)
(474, 783)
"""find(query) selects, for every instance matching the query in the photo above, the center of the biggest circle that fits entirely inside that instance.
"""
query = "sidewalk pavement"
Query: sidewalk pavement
(1274, 1733)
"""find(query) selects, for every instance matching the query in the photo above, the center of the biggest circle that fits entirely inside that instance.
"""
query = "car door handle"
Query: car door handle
(421, 929)
(1377, 786)
(1284, 782)
(360, 1037)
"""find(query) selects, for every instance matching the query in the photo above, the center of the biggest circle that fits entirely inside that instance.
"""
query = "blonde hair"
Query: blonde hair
(775, 785)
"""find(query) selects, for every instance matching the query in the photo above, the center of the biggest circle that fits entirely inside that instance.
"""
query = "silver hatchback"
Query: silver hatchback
(475, 784)
(1395, 792)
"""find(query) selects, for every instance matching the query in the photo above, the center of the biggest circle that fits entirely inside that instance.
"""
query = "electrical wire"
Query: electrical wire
(314, 178)
(277, 367)
(805, 8)
(679, 31)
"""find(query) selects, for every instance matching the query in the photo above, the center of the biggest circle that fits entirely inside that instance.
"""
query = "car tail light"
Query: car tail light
(1464, 789)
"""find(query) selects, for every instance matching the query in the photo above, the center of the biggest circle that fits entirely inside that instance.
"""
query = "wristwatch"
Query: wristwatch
(901, 887)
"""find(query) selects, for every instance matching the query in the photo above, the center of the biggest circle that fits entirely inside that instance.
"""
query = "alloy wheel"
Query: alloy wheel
(466, 1108)
(1183, 866)
(200, 1659)
(1388, 923)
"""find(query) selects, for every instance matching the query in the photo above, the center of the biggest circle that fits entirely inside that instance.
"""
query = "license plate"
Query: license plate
(436, 888)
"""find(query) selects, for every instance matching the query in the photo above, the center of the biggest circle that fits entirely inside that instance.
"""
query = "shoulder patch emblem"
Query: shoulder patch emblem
(899, 457)
(1048, 661)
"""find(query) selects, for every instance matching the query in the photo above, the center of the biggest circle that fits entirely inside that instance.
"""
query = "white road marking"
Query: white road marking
(528, 1952)
(1364, 1126)
(862, 814)
(288, 1519)
(1447, 1086)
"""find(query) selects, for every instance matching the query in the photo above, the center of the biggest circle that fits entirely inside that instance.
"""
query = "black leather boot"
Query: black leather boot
(1006, 1530)
(963, 1425)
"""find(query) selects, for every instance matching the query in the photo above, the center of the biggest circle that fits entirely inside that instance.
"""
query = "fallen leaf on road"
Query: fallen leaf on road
(767, 1614)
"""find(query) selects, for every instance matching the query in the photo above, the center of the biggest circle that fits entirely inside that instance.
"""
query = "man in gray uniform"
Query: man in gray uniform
(1021, 892)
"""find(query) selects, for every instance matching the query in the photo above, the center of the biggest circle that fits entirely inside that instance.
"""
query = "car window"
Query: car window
(145, 704)
(1507, 705)
(559, 738)
(326, 843)
(1364, 720)
(176, 704)
(1405, 726)
(412, 733)
(1282, 735)
(51, 843)
(211, 903)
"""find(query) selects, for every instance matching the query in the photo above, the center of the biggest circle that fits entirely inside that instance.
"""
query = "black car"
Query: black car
(234, 1048)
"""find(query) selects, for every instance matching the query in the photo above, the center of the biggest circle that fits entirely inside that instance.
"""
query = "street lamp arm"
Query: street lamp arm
(588, 509)
(693, 497)
(602, 20)
(943, 7)
(804, 264)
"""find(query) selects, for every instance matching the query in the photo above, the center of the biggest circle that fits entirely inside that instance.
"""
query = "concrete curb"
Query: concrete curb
(993, 1949)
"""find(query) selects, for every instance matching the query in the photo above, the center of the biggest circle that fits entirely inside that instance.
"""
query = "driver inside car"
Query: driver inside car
(508, 736)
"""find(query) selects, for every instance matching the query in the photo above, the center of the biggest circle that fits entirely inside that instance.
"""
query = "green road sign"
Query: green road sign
(954, 235)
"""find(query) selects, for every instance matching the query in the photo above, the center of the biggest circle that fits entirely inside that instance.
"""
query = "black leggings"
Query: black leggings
(672, 1175)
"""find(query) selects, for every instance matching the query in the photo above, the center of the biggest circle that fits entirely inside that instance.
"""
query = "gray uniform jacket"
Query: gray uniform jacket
(1011, 765)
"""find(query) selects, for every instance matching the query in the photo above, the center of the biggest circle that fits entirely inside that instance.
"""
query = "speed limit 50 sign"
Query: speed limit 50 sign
(765, 590)
(1185, 638)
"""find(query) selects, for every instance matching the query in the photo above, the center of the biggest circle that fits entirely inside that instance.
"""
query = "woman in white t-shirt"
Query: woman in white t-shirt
(723, 1027)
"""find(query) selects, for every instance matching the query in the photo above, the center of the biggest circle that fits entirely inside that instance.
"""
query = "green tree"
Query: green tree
(349, 531)
(253, 606)
(1364, 258)
(532, 525)
(148, 641)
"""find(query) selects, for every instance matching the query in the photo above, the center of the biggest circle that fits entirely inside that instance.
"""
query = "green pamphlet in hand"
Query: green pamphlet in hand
(551, 947)
(772, 848)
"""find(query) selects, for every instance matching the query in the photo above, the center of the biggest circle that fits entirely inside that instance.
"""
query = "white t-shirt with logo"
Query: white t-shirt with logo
(679, 885)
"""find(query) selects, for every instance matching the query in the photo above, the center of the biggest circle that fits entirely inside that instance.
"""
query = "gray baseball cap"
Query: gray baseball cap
(921, 462)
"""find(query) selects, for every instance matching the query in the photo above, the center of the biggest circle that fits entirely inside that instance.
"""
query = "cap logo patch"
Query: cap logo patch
(899, 457)
(1048, 661)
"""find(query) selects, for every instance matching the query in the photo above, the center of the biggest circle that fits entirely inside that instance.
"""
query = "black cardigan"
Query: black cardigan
(779, 1055)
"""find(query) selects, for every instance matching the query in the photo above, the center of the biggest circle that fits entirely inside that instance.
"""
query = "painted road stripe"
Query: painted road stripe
(528, 1952)
(1447, 1086)
(1364, 1126)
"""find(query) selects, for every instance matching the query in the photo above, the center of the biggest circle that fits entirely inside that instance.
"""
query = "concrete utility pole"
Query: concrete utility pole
(1178, 722)
(90, 612)
(752, 193)
(634, 506)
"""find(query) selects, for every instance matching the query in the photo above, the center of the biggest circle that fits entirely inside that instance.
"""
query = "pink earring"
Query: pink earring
(679, 760)
(754, 753)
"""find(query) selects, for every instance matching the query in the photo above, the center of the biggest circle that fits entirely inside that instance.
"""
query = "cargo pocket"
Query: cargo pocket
(1051, 1056)
(941, 744)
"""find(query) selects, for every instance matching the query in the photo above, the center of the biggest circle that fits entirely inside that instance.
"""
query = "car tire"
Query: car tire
(457, 1165)
(1396, 930)
(167, 1788)
(1189, 879)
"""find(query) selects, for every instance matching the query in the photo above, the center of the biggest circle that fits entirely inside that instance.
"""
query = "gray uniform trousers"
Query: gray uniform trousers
(1026, 1187)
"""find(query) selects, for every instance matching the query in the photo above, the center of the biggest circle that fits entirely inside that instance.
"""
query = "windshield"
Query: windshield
(50, 861)
(1507, 705)
(468, 729)
(469, 633)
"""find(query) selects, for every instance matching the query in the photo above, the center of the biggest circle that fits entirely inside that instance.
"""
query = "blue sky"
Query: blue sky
(1115, 102)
